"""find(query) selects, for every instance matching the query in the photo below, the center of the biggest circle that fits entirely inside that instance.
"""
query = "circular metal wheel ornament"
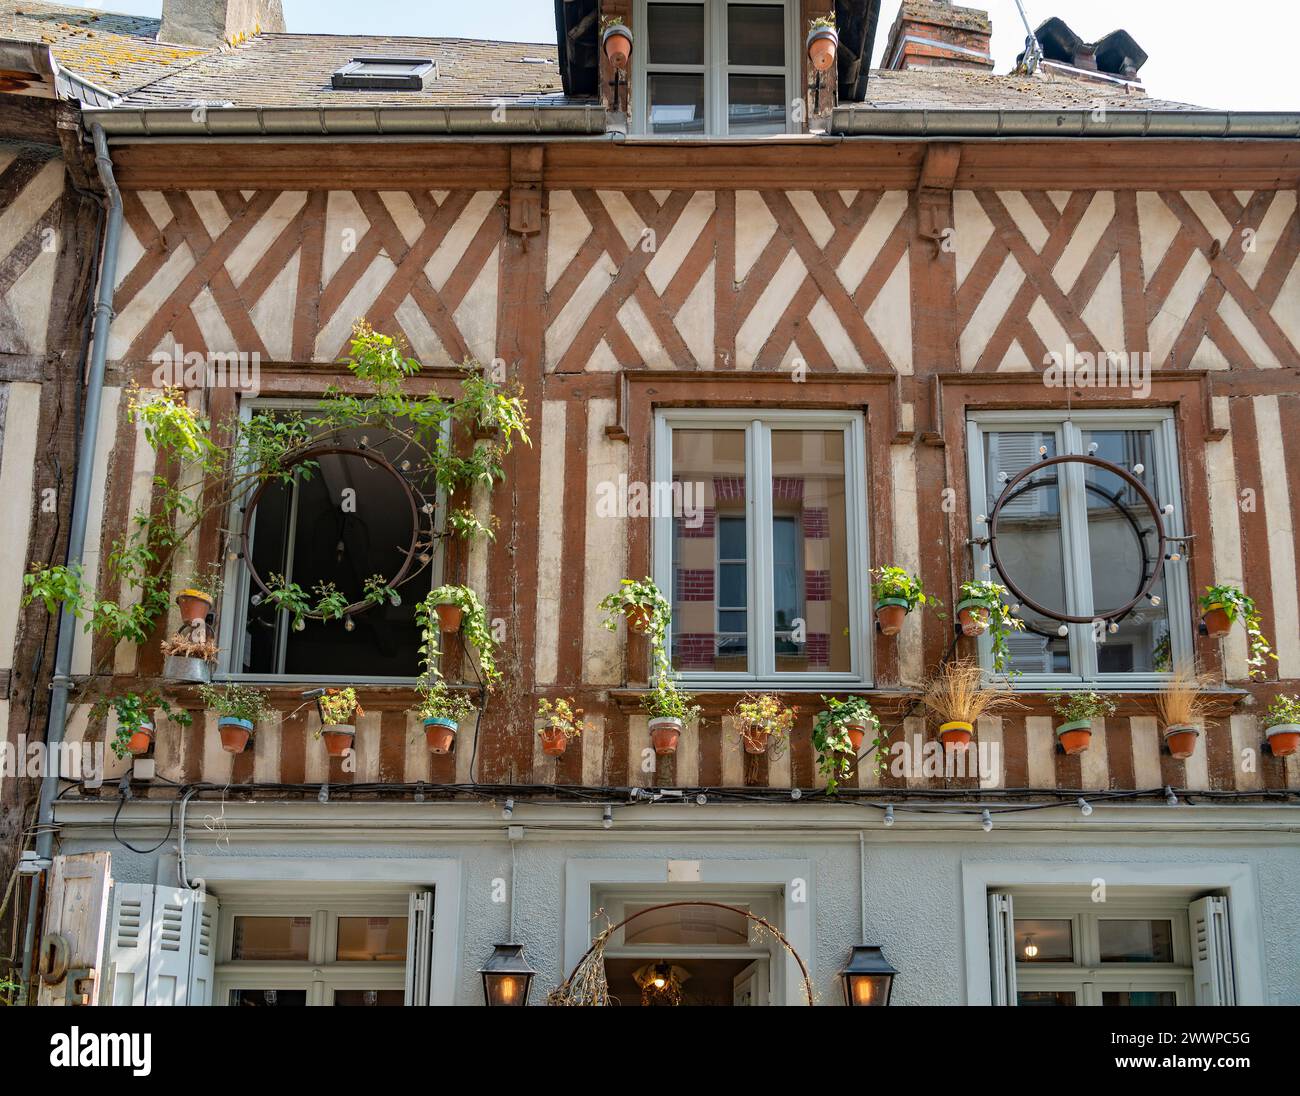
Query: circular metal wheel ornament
(415, 500)
(1155, 563)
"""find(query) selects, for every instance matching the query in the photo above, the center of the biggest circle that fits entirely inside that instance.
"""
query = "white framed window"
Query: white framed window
(1135, 949)
(342, 523)
(318, 950)
(1078, 540)
(765, 567)
(715, 67)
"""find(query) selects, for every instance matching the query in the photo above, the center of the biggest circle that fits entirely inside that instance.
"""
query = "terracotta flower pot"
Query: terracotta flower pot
(234, 733)
(141, 740)
(1216, 621)
(822, 44)
(338, 739)
(755, 739)
(638, 618)
(617, 43)
(857, 733)
(1075, 737)
(1284, 739)
(973, 616)
(1181, 740)
(194, 605)
(956, 735)
(664, 734)
(449, 618)
(440, 734)
(890, 614)
(554, 741)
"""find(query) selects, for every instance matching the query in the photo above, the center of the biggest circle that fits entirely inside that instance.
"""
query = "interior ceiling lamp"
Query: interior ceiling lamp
(507, 976)
(868, 979)
(1130, 500)
(661, 983)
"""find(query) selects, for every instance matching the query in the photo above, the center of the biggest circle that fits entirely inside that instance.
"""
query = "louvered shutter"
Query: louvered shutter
(161, 948)
(128, 945)
(1012, 453)
(1002, 949)
(419, 948)
(1212, 952)
(203, 959)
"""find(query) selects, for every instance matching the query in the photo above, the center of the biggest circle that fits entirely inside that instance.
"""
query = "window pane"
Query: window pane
(756, 104)
(696, 926)
(268, 998)
(756, 34)
(810, 563)
(1154, 998)
(372, 940)
(1046, 997)
(1030, 543)
(1136, 941)
(676, 102)
(1039, 941)
(1122, 548)
(710, 557)
(675, 34)
(271, 939)
(369, 997)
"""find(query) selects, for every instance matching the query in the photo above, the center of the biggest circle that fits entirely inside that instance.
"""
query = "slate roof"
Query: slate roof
(116, 52)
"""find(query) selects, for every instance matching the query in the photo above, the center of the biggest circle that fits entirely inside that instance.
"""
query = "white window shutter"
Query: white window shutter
(128, 945)
(203, 960)
(1212, 952)
(171, 941)
(1002, 949)
(419, 948)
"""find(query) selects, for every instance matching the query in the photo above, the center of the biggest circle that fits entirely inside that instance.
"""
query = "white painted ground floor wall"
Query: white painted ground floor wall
(920, 884)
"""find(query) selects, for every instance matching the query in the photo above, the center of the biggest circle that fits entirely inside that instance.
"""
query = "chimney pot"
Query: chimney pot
(217, 23)
(931, 33)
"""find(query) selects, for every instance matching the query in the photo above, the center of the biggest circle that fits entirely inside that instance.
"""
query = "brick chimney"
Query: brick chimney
(217, 23)
(935, 32)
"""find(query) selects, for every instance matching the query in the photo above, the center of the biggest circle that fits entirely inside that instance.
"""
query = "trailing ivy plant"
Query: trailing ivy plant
(473, 627)
(642, 594)
(1002, 621)
(1237, 605)
(1284, 709)
(898, 583)
(133, 711)
(834, 748)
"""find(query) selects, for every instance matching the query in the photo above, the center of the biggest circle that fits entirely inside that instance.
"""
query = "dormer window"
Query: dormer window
(384, 73)
(715, 67)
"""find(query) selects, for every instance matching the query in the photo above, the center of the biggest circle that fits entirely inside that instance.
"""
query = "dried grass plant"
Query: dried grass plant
(1182, 702)
(958, 693)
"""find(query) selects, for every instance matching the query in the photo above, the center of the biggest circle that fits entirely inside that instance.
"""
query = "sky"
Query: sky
(1234, 56)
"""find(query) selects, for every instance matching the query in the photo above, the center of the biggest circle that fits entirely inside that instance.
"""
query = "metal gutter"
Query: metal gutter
(581, 119)
(861, 121)
(61, 682)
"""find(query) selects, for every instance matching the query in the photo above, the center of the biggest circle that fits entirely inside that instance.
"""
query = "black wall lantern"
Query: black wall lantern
(507, 976)
(868, 979)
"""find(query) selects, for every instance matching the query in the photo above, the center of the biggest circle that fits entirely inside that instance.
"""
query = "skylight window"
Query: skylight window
(384, 73)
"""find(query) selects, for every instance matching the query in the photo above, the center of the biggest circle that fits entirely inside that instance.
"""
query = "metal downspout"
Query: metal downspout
(61, 683)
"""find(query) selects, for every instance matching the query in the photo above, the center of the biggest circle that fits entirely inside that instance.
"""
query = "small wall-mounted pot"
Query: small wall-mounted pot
(956, 735)
(194, 605)
(141, 740)
(638, 618)
(1180, 738)
(617, 45)
(1284, 739)
(664, 733)
(554, 741)
(449, 617)
(1216, 621)
(187, 671)
(973, 616)
(890, 614)
(1075, 737)
(821, 45)
(338, 738)
(857, 733)
(440, 734)
(235, 733)
(754, 739)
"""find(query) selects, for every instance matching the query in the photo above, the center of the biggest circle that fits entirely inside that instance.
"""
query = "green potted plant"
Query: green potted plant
(822, 42)
(560, 721)
(458, 606)
(838, 734)
(135, 725)
(1079, 710)
(1283, 723)
(615, 41)
(643, 605)
(450, 604)
(896, 593)
(958, 695)
(1221, 607)
(442, 711)
(981, 608)
(1181, 707)
(669, 710)
(765, 723)
(200, 592)
(238, 708)
(337, 708)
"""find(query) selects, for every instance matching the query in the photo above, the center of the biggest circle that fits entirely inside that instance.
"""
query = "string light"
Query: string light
(1170, 799)
(986, 820)
(508, 809)
(1031, 949)
(889, 815)
(1085, 808)
(607, 818)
